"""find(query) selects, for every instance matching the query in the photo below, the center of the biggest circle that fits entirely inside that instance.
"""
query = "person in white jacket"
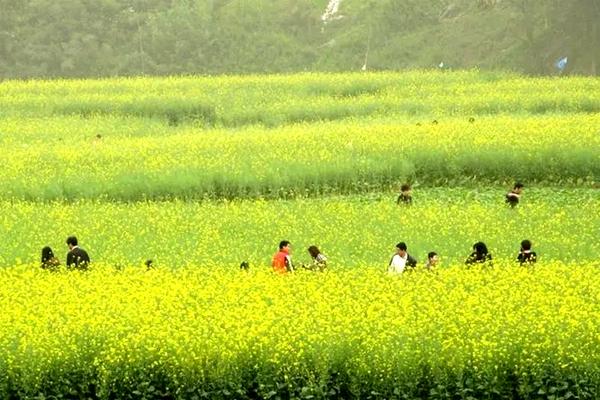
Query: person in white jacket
(401, 260)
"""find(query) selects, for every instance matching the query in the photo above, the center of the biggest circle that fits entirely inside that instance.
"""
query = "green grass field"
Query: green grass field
(199, 174)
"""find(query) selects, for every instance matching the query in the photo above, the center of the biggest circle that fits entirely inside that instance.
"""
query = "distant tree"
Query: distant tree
(555, 28)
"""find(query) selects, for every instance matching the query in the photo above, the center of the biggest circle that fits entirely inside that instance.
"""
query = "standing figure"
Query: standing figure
(480, 254)
(77, 258)
(401, 260)
(526, 255)
(513, 197)
(405, 196)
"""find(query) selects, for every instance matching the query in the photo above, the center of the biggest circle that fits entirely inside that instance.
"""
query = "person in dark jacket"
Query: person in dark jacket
(526, 255)
(480, 254)
(405, 196)
(49, 261)
(513, 197)
(77, 258)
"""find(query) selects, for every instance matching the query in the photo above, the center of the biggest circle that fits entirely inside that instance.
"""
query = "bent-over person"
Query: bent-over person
(49, 261)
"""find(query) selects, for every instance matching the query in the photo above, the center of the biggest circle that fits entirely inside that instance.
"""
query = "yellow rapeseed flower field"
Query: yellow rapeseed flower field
(201, 173)
(209, 332)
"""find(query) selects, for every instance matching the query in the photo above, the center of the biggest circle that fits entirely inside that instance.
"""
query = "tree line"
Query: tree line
(94, 38)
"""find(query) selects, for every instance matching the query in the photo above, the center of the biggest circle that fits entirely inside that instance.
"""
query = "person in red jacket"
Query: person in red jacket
(282, 261)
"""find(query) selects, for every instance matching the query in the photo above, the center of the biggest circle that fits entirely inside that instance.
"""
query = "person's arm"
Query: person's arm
(288, 264)
(70, 259)
(411, 261)
(471, 259)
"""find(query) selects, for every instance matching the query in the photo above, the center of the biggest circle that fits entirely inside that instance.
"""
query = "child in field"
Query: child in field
(513, 197)
(480, 255)
(405, 196)
(49, 261)
(526, 255)
(432, 260)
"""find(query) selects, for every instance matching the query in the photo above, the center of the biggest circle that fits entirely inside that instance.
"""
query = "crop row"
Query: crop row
(504, 333)
(352, 231)
(284, 99)
(124, 159)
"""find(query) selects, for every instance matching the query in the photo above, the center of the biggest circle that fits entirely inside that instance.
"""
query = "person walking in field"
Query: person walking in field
(480, 255)
(526, 255)
(77, 258)
(282, 260)
(513, 197)
(401, 260)
(49, 261)
(319, 260)
(405, 196)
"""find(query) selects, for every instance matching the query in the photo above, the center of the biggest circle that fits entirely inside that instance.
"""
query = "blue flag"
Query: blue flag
(562, 64)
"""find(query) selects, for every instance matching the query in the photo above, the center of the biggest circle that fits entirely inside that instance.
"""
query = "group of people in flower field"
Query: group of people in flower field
(512, 197)
(78, 258)
(402, 260)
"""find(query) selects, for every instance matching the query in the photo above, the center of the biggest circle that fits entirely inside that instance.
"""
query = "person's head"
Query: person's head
(405, 188)
(526, 245)
(480, 248)
(244, 265)
(71, 241)
(518, 188)
(148, 264)
(314, 251)
(433, 258)
(47, 254)
(285, 245)
(401, 249)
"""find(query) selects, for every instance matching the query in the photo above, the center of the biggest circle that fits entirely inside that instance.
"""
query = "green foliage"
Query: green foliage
(68, 38)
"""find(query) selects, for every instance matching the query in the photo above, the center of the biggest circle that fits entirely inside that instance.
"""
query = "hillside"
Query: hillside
(93, 38)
